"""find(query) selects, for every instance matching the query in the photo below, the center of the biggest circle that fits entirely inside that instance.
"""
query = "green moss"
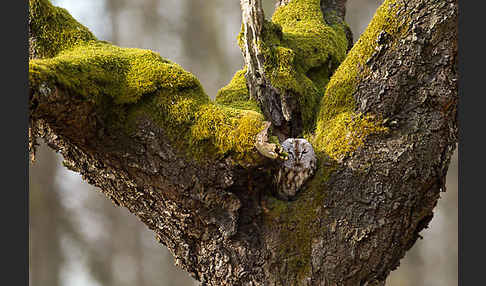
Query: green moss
(54, 29)
(305, 32)
(236, 94)
(346, 132)
(99, 69)
(337, 115)
(318, 49)
(228, 130)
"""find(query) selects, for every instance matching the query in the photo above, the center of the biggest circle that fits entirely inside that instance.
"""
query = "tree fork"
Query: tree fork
(383, 135)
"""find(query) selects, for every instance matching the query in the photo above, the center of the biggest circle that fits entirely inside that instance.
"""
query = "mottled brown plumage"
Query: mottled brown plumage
(294, 172)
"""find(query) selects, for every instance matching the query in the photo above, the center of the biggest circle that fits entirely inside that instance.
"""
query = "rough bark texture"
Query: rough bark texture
(351, 224)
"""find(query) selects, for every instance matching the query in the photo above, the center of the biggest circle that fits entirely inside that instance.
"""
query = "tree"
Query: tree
(204, 175)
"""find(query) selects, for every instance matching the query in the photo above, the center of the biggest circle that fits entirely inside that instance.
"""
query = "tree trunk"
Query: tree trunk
(383, 128)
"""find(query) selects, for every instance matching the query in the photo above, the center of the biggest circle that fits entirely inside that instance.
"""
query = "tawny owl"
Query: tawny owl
(300, 165)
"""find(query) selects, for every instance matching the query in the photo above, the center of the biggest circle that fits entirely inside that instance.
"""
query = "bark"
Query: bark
(350, 225)
(259, 87)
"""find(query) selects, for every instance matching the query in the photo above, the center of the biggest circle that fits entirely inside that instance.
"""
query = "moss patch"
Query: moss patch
(337, 115)
(136, 83)
(346, 132)
(236, 94)
(305, 32)
(54, 29)
(228, 130)
(100, 69)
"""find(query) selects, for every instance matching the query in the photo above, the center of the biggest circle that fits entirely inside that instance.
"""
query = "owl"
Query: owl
(299, 166)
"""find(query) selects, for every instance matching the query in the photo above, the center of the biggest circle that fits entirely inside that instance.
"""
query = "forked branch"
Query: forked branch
(381, 120)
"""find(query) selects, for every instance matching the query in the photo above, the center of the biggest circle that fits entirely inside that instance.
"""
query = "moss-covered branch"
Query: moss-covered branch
(125, 83)
(340, 129)
(291, 59)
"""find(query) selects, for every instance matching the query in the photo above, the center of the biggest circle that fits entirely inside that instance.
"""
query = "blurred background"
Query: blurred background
(77, 237)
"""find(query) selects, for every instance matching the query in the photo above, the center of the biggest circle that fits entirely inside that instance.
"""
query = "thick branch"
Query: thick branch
(143, 130)
(401, 75)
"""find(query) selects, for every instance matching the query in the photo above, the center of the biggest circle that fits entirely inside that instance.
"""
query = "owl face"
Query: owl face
(301, 153)
(300, 165)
